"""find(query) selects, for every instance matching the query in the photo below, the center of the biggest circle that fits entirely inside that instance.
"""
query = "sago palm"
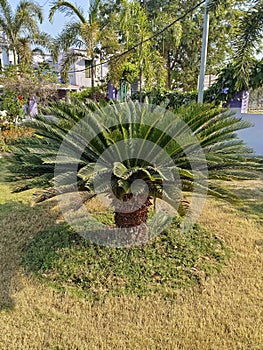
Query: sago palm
(134, 154)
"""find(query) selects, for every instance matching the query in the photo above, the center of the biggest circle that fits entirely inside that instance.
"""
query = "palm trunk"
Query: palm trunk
(128, 217)
(92, 78)
(15, 57)
(141, 69)
(140, 82)
(133, 222)
(169, 75)
(132, 219)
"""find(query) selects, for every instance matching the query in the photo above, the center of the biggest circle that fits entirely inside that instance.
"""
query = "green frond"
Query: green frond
(249, 37)
(28, 9)
(70, 36)
(119, 170)
(6, 11)
(68, 9)
(93, 10)
(215, 4)
(102, 143)
(4, 25)
(43, 39)
(223, 193)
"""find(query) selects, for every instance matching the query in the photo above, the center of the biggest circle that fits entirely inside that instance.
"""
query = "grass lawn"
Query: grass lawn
(182, 292)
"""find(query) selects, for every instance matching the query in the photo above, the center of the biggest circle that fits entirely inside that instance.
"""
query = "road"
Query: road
(254, 135)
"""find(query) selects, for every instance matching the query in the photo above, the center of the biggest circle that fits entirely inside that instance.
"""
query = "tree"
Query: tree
(112, 161)
(244, 71)
(141, 58)
(228, 84)
(20, 26)
(26, 81)
(39, 41)
(183, 60)
(82, 32)
(223, 21)
(247, 43)
(168, 41)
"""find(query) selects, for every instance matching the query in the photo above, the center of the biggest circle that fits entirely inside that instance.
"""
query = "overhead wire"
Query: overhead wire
(116, 57)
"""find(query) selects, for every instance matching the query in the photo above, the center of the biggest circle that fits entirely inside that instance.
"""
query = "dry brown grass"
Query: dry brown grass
(225, 313)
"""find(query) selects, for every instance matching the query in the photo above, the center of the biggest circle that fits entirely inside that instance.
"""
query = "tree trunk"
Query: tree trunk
(169, 76)
(134, 218)
(15, 57)
(140, 82)
(133, 222)
(141, 69)
(133, 211)
(92, 78)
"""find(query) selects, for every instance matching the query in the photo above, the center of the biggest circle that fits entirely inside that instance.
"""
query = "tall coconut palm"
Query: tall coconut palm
(81, 32)
(19, 24)
(123, 149)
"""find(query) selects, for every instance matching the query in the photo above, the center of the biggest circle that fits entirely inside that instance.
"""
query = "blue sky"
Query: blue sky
(59, 19)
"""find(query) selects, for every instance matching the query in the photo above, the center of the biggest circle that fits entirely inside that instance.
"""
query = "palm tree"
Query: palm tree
(24, 46)
(81, 32)
(134, 154)
(19, 25)
(136, 28)
(248, 41)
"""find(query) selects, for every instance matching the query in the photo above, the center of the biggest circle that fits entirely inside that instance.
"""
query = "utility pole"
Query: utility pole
(203, 54)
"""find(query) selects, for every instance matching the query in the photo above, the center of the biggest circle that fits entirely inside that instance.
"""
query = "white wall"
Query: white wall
(77, 73)
(39, 58)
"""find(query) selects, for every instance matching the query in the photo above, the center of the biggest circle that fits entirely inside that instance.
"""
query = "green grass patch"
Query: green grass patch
(171, 261)
(64, 260)
(251, 193)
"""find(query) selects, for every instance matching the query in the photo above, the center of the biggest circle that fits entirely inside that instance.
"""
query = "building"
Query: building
(80, 71)
(209, 80)
(79, 74)
(6, 57)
